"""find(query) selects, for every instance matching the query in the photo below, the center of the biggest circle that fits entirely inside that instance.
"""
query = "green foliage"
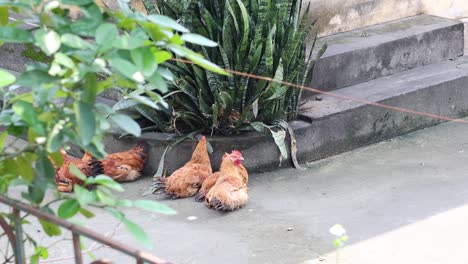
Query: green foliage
(78, 60)
(6, 78)
(260, 37)
(39, 253)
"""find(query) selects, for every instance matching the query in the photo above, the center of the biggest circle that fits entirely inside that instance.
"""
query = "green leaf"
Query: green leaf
(124, 104)
(49, 228)
(246, 30)
(153, 206)
(125, 203)
(129, 42)
(280, 140)
(68, 208)
(34, 259)
(206, 64)
(138, 233)
(87, 25)
(84, 196)
(86, 122)
(198, 40)
(90, 87)
(4, 15)
(76, 2)
(54, 140)
(127, 124)
(35, 78)
(225, 101)
(144, 60)
(15, 35)
(44, 173)
(86, 213)
(279, 136)
(74, 41)
(26, 111)
(106, 34)
(158, 82)
(42, 252)
(167, 22)
(57, 158)
(64, 60)
(77, 173)
(6, 78)
(3, 137)
(143, 100)
(337, 242)
(106, 198)
(260, 127)
(162, 56)
(127, 69)
(48, 41)
(24, 168)
(105, 181)
(39, 252)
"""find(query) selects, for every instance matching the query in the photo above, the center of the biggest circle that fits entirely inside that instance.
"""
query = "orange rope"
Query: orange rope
(394, 108)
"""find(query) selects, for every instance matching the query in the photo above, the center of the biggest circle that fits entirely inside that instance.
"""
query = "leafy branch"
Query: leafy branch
(81, 58)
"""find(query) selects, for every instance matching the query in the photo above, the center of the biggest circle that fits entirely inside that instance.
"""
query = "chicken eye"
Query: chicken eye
(196, 185)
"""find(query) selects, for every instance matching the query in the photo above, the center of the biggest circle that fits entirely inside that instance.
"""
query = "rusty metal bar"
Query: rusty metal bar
(19, 246)
(77, 248)
(10, 234)
(79, 230)
(139, 261)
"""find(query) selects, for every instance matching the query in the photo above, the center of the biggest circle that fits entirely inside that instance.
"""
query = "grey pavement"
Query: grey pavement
(401, 201)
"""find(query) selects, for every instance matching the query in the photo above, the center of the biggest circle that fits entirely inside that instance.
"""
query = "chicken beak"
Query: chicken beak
(241, 158)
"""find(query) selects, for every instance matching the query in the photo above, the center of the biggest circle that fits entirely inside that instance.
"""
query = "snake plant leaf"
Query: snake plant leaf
(256, 37)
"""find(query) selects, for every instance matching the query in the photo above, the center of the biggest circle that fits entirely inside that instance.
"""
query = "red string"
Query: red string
(344, 97)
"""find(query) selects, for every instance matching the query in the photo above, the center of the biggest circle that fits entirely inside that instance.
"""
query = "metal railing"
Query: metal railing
(16, 236)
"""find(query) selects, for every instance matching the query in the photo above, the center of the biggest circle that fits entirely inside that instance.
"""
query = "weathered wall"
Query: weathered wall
(344, 15)
(446, 8)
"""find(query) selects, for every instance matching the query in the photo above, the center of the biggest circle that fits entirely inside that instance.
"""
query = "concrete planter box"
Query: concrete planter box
(259, 150)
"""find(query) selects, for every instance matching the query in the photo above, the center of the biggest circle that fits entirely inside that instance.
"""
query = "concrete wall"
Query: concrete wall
(343, 15)
(446, 8)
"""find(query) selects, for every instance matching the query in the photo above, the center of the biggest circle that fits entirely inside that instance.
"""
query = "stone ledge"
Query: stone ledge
(381, 50)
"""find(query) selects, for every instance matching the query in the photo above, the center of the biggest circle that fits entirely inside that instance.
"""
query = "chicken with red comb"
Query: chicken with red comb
(229, 192)
(209, 182)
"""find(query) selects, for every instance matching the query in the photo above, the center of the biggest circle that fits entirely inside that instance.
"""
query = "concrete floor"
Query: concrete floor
(401, 201)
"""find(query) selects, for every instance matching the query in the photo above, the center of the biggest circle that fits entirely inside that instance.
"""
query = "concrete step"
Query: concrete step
(381, 50)
(331, 126)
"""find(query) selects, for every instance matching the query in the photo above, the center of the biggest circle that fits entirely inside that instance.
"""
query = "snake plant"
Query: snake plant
(259, 37)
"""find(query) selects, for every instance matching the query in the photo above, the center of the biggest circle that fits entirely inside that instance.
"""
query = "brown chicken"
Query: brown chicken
(121, 166)
(186, 181)
(65, 180)
(209, 182)
(127, 165)
(230, 190)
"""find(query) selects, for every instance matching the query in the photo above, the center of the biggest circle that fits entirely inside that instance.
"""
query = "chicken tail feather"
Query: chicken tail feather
(158, 186)
(96, 167)
(144, 146)
(227, 202)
